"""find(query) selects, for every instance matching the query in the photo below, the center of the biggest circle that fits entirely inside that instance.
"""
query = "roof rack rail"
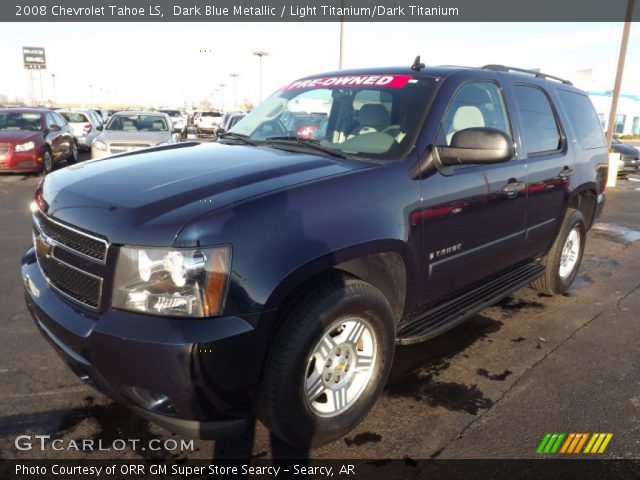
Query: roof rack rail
(504, 68)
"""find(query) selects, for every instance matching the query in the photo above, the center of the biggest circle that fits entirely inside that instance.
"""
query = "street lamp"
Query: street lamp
(261, 53)
(222, 85)
(53, 81)
(235, 78)
(90, 94)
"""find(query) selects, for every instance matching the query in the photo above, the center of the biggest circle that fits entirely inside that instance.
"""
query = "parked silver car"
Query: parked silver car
(129, 131)
(85, 124)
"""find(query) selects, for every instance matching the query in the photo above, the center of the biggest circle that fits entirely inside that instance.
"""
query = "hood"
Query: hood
(17, 136)
(152, 138)
(146, 198)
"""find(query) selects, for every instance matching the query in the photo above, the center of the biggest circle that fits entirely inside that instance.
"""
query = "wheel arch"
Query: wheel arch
(385, 264)
(585, 199)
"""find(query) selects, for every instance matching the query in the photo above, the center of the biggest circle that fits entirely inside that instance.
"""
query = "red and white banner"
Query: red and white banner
(387, 81)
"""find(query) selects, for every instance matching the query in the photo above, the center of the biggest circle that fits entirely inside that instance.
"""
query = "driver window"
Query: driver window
(50, 120)
(477, 104)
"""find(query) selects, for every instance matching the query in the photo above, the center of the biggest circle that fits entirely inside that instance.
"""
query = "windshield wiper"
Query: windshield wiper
(238, 136)
(306, 142)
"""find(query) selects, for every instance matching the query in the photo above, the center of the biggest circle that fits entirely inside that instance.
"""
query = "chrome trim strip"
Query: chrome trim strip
(79, 232)
(66, 295)
(83, 272)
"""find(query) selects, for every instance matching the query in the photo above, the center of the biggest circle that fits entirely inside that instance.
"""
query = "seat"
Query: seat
(157, 126)
(129, 126)
(372, 117)
(466, 116)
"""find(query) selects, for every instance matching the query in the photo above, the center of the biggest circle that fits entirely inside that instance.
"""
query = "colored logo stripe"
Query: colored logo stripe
(574, 443)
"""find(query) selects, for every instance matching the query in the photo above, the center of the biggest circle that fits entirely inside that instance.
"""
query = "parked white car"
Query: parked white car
(85, 124)
(178, 119)
(208, 122)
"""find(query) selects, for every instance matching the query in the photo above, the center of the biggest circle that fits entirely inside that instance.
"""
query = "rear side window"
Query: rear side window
(583, 118)
(540, 128)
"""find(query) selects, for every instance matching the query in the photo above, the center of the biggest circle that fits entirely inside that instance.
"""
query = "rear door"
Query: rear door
(549, 161)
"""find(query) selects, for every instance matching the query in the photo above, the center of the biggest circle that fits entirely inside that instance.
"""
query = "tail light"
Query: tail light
(87, 128)
(602, 174)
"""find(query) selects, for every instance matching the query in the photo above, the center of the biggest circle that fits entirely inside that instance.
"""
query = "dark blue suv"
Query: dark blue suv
(273, 272)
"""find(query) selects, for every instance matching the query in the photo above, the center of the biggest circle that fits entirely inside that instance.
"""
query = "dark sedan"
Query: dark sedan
(629, 158)
(33, 140)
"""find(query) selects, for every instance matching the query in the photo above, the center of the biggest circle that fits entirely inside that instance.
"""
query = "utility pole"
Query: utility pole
(261, 53)
(235, 77)
(340, 60)
(619, 72)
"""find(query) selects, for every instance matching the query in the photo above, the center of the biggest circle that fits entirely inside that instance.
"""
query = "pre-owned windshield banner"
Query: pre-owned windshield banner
(314, 11)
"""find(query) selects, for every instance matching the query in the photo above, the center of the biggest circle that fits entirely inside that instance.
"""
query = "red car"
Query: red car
(34, 139)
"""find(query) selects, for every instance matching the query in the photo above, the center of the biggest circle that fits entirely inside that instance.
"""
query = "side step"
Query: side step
(455, 311)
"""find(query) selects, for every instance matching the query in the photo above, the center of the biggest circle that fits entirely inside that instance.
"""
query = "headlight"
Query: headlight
(98, 145)
(178, 281)
(25, 147)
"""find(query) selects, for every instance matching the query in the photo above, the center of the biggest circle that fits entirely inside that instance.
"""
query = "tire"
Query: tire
(73, 156)
(47, 161)
(294, 366)
(562, 262)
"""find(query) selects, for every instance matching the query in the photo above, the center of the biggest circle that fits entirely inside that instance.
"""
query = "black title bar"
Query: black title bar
(315, 11)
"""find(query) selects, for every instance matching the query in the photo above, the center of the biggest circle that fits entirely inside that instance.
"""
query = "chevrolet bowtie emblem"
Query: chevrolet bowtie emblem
(44, 245)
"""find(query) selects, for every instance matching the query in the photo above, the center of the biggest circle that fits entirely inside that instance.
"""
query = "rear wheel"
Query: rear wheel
(328, 364)
(563, 260)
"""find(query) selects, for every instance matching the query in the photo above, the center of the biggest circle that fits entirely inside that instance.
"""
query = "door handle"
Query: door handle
(567, 172)
(514, 187)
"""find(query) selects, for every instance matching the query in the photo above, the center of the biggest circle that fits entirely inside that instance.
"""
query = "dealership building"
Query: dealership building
(627, 120)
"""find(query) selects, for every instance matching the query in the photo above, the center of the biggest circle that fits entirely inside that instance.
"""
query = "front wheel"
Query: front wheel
(328, 364)
(47, 161)
(563, 260)
(73, 154)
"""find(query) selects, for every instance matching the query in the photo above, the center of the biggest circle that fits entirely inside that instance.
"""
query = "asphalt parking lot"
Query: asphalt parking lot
(490, 388)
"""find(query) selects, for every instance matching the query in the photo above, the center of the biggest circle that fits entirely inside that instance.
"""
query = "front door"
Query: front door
(473, 216)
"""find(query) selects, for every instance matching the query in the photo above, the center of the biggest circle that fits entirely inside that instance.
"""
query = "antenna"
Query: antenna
(417, 66)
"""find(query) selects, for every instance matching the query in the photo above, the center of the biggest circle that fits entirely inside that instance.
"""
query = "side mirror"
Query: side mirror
(220, 131)
(476, 146)
(100, 128)
(54, 128)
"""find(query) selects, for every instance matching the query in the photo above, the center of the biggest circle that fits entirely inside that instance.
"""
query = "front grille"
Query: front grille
(127, 147)
(4, 150)
(73, 283)
(73, 239)
(65, 254)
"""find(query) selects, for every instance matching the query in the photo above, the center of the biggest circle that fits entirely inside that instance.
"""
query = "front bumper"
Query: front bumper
(193, 377)
(30, 161)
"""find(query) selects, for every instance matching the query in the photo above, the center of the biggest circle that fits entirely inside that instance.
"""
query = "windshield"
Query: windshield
(138, 123)
(375, 116)
(21, 121)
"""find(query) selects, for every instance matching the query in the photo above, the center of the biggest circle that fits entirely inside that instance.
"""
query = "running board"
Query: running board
(455, 311)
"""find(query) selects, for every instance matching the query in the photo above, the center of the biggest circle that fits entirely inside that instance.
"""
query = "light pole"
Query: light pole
(90, 94)
(53, 81)
(222, 85)
(261, 53)
(235, 78)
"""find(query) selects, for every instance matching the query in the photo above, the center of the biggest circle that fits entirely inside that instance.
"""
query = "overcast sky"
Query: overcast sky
(161, 63)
